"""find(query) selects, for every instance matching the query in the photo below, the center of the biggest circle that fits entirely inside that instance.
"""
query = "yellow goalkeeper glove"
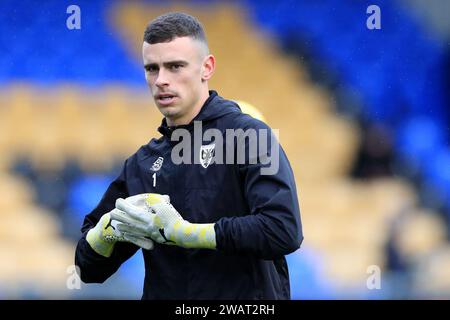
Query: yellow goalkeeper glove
(105, 234)
(152, 215)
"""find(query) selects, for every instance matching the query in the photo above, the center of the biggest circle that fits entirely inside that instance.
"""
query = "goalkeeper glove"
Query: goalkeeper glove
(154, 216)
(105, 234)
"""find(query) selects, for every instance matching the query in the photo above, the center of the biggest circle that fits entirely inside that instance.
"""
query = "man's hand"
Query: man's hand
(155, 217)
(105, 234)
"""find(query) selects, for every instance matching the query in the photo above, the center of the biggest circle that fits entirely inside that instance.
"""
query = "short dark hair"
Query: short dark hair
(172, 25)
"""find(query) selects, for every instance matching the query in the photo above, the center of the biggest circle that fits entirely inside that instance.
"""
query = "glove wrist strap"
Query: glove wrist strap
(194, 235)
(98, 244)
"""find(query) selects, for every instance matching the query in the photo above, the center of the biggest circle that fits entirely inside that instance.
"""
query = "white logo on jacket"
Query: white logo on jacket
(157, 164)
(206, 154)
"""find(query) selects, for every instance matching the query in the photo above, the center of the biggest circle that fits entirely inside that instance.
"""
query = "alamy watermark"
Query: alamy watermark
(74, 20)
(234, 146)
(374, 20)
(73, 281)
(373, 281)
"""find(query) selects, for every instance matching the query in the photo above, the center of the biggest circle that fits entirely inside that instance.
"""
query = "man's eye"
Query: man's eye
(151, 69)
(176, 66)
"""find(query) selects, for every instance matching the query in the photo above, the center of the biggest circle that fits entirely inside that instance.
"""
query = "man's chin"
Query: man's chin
(168, 112)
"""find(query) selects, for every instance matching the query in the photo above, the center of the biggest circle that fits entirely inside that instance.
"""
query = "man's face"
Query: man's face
(175, 72)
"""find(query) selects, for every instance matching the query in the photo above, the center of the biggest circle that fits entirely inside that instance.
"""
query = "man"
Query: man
(221, 229)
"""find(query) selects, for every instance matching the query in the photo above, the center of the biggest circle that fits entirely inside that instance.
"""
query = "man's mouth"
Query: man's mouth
(165, 98)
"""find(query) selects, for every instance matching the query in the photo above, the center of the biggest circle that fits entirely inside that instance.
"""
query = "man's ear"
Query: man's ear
(209, 65)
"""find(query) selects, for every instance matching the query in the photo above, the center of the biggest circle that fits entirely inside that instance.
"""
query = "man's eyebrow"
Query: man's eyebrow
(171, 63)
(166, 64)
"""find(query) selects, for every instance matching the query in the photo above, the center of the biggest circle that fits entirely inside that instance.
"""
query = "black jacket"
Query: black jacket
(257, 218)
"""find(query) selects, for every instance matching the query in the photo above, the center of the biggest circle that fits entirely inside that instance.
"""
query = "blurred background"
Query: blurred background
(363, 116)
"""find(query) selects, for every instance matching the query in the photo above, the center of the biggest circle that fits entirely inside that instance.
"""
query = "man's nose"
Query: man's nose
(162, 79)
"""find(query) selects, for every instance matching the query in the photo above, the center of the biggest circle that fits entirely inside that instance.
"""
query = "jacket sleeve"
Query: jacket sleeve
(92, 266)
(273, 227)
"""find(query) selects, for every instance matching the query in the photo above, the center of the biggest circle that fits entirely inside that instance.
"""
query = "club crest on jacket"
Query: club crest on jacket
(206, 155)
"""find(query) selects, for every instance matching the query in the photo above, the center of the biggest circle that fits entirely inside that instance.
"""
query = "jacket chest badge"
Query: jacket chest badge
(157, 164)
(206, 154)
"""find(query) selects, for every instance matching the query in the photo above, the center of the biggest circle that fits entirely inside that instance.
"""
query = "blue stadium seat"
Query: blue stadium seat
(418, 140)
(85, 193)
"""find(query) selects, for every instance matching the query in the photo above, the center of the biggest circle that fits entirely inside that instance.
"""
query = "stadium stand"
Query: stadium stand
(65, 108)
